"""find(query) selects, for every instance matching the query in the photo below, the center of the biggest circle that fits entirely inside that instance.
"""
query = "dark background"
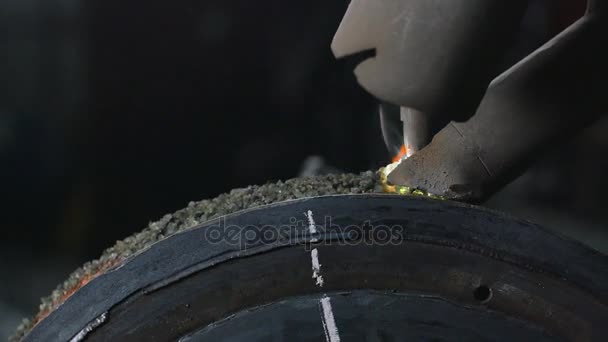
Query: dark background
(113, 113)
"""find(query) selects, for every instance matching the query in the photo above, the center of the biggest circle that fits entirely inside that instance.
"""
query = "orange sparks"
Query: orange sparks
(402, 153)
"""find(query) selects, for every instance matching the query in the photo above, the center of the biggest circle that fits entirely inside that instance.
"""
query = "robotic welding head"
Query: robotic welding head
(435, 56)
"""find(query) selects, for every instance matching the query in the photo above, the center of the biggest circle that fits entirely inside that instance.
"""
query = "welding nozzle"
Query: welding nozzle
(416, 130)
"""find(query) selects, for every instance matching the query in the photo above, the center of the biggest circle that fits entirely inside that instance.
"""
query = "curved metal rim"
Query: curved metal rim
(485, 232)
(404, 317)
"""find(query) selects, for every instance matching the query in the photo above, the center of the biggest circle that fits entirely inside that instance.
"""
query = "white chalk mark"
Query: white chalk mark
(329, 323)
(90, 327)
(316, 267)
(312, 227)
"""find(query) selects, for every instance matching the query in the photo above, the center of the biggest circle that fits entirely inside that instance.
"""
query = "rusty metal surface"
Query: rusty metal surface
(440, 249)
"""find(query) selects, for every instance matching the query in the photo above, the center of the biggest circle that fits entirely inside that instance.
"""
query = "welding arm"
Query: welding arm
(541, 102)
(426, 49)
(433, 58)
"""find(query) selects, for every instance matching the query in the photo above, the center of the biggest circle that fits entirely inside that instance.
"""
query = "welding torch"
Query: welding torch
(469, 128)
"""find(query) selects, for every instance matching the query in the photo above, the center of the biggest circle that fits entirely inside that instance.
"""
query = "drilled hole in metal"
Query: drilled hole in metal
(482, 293)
